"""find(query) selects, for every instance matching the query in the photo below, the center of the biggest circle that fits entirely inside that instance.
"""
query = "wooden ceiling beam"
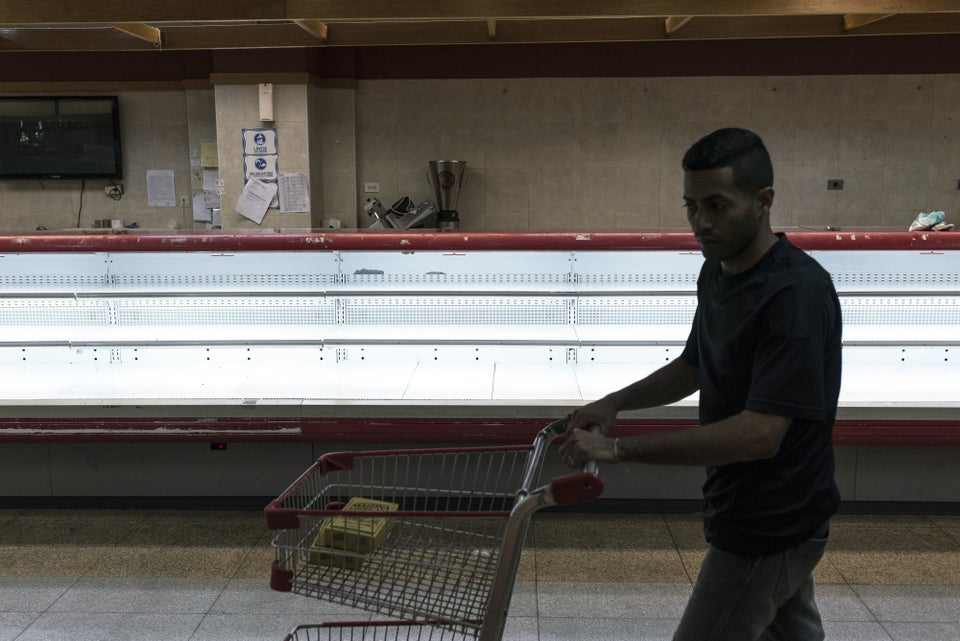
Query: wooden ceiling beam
(357, 10)
(140, 30)
(315, 28)
(857, 20)
(9, 45)
(18, 12)
(105, 39)
(673, 24)
(288, 34)
(544, 31)
(148, 11)
(272, 36)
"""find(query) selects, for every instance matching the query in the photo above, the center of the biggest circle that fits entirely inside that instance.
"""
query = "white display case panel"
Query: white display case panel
(627, 271)
(44, 274)
(892, 271)
(408, 325)
(199, 272)
(461, 271)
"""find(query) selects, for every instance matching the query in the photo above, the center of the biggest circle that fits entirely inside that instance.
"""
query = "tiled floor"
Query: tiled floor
(202, 576)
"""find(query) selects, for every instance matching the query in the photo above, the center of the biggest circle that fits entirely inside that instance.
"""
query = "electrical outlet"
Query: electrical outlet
(835, 183)
(113, 190)
(184, 200)
(371, 188)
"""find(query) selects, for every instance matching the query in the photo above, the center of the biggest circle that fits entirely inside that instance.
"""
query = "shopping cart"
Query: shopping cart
(375, 631)
(437, 545)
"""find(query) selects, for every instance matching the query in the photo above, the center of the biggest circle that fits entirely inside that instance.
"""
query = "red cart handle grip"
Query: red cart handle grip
(576, 488)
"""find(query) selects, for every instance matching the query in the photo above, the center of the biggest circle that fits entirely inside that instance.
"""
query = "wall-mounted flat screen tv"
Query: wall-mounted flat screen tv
(60, 137)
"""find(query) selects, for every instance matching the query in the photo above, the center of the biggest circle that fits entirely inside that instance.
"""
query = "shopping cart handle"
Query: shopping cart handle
(576, 488)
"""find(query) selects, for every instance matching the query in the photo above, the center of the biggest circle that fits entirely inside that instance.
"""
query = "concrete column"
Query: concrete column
(238, 108)
(333, 147)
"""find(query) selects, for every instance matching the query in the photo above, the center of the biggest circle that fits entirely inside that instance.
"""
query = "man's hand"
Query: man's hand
(582, 446)
(747, 436)
(602, 413)
(672, 382)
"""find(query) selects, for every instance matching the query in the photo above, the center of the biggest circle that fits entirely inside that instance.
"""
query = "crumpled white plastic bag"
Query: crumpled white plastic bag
(926, 221)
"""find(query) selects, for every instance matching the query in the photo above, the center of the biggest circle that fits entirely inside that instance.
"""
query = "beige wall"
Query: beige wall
(336, 137)
(551, 154)
(604, 154)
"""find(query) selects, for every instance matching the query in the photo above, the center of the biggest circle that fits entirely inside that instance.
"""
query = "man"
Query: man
(764, 352)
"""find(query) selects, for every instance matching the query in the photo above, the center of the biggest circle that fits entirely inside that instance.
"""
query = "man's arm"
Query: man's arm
(746, 436)
(669, 384)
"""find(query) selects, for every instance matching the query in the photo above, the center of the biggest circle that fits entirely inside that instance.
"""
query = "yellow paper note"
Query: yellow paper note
(208, 153)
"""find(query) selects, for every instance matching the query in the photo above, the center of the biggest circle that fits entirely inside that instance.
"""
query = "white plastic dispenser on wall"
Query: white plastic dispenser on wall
(265, 92)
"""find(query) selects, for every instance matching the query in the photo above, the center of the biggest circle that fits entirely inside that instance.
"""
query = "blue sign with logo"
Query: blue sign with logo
(260, 157)
(259, 141)
(265, 168)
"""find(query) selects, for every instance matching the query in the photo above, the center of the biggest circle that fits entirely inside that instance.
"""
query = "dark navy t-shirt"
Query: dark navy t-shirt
(769, 340)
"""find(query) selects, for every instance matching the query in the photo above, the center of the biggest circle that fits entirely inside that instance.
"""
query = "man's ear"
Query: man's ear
(765, 199)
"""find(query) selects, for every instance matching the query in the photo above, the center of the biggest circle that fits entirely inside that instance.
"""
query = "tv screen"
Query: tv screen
(60, 137)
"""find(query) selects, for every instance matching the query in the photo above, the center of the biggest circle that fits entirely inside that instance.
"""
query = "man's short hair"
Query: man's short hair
(741, 150)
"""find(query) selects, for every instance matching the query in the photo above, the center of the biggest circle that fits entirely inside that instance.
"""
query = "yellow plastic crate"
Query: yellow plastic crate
(342, 540)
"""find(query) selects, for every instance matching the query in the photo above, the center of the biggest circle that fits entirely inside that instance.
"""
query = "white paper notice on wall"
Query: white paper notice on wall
(294, 196)
(255, 199)
(201, 213)
(204, 202)
(210, 178)
(211, 199)
(160, 189)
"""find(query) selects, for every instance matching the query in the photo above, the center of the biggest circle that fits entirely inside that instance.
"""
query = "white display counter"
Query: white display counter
(366, 338)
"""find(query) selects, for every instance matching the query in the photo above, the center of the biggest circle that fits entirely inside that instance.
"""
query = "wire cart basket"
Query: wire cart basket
(432, 537)
(375, 631)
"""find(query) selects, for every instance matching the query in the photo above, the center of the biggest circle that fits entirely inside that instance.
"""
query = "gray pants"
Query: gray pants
(763, 598)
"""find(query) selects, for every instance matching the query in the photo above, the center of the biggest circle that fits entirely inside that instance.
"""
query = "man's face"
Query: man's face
(724, 220)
